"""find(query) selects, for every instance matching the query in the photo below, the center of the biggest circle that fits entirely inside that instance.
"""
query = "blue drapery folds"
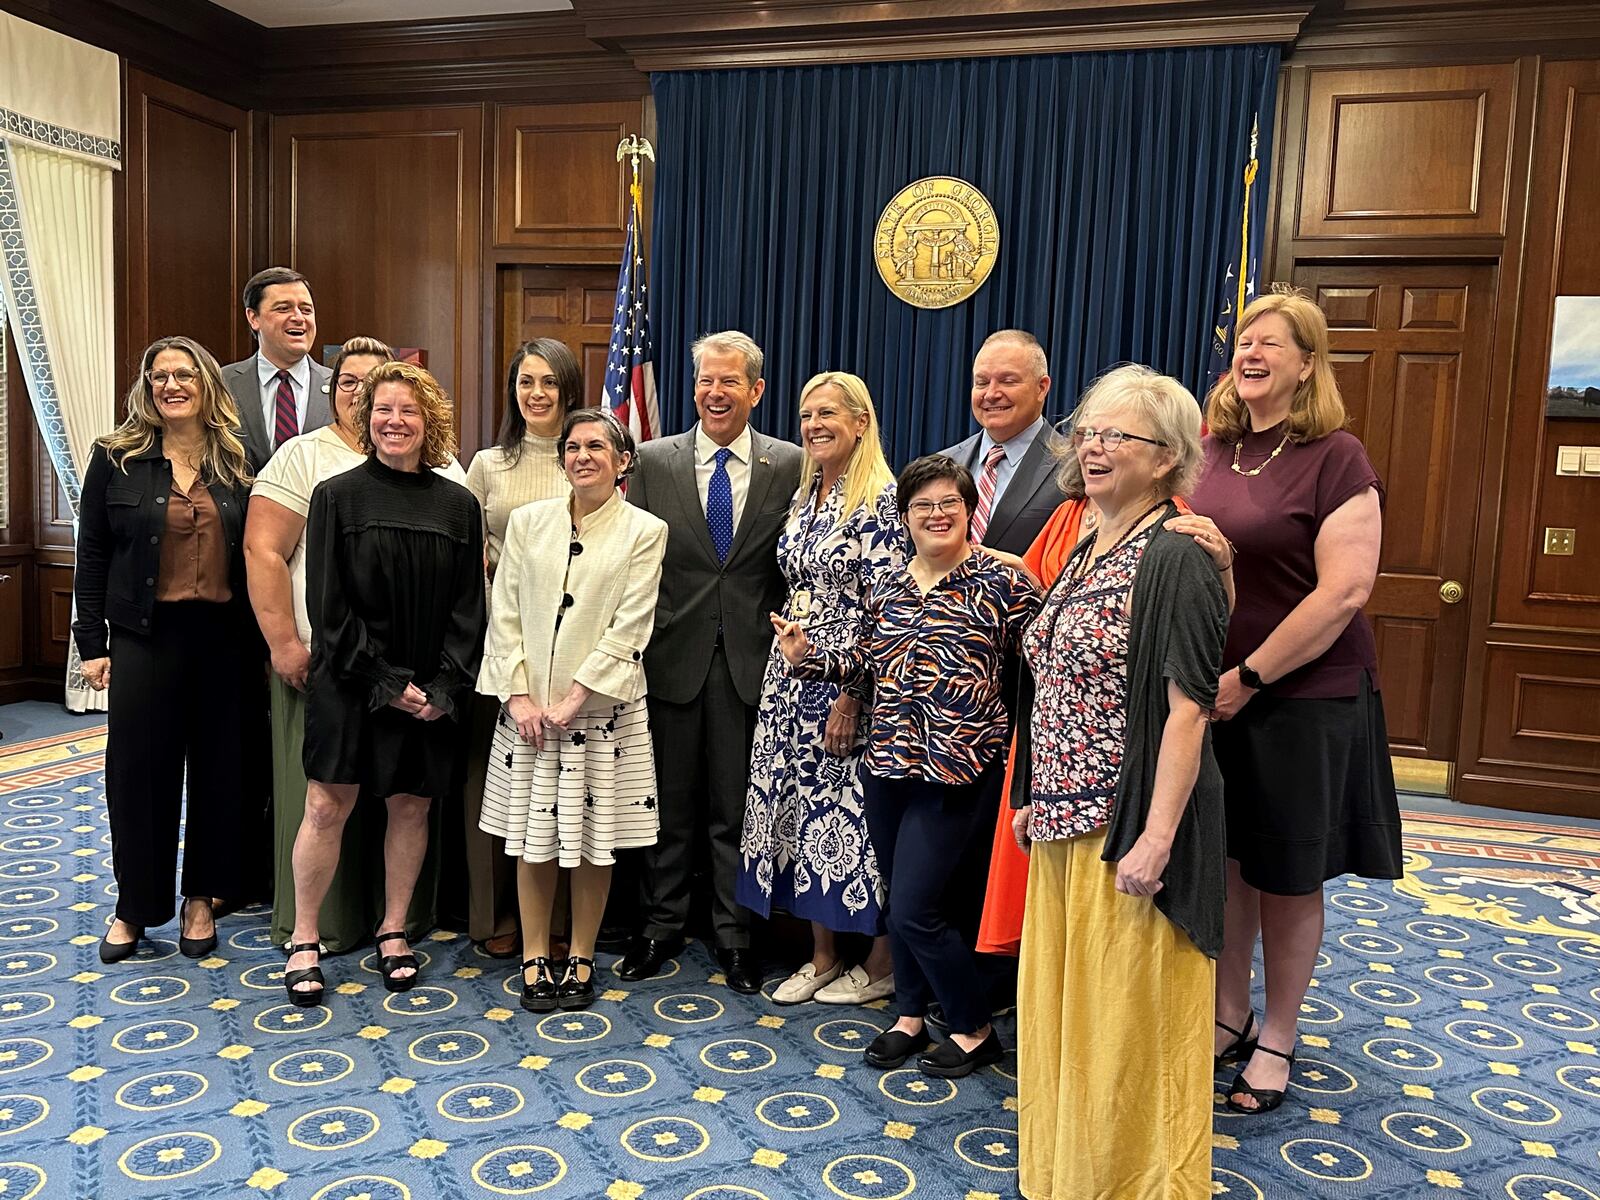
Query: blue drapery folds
(1116, 178)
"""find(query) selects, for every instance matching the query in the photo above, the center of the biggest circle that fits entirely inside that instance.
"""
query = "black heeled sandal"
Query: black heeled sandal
(305, 997)
(1266, 1099)
(540, 995)
(575, 993)
(388, 964)
(1242, 1046)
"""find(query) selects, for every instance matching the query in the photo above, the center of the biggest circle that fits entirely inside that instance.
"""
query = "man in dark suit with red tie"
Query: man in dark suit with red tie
(281, 389)
(1009, 456)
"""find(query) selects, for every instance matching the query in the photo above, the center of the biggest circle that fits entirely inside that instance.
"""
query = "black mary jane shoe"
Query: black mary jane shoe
(1266, 1099)
(891, 1048)
(115, 952)
(540, 995)
(949, 1061)
(389, 964)
(1242, 1046)
(575, 993)
(197, 947)
(304, 997)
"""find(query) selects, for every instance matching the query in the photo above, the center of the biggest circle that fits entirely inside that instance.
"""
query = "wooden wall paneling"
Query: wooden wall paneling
(1409, 152)
(559, 190)
(383, 212)
(571, 304)
(187, 177)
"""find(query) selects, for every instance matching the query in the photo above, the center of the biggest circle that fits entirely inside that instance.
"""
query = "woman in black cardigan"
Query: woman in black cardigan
(160, 588)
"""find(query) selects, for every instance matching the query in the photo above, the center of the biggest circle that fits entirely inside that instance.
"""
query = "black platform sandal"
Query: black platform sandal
(388, 964)
(576, 993)
(540, 995)
(1242, 1046)
(305, 997)
(1266, 1099)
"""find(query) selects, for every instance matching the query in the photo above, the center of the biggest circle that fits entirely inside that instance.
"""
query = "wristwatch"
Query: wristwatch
(1248, 677)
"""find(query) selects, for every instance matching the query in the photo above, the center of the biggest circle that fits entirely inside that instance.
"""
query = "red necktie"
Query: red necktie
(988, 478)
(287, 423)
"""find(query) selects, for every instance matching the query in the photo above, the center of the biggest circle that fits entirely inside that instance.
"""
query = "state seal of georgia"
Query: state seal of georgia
(936, 241)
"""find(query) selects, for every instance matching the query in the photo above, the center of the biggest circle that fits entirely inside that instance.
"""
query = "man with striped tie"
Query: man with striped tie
(1009, 456)
(281, 389)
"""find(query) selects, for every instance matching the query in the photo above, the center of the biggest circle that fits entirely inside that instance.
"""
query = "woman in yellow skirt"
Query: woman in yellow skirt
(1120, 804)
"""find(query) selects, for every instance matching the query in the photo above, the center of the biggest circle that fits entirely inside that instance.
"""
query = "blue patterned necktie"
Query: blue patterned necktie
(719, 506)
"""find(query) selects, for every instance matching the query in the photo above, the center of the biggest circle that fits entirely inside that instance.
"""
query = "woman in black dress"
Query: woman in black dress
(394, 590)
(160, 587)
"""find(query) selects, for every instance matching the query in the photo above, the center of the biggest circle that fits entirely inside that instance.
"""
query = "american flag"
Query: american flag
(630, 371)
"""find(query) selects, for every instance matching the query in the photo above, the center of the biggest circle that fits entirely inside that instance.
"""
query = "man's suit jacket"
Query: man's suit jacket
(698, 593)
(244, 382)
(1030, 497)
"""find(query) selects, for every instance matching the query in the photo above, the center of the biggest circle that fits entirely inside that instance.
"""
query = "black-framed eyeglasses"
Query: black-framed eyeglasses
(348, 383)
(1109, 438)
(924, 509)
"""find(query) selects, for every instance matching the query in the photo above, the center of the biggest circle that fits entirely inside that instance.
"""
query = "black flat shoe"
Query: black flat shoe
(201, 946)
(304, 997)
(115, 952)
(575, 993)
(1242, 1046)
(949, 1061)
(540, 995)
(891, 1048)
(647, 956)
(741, 969)
(1266, 1099)
(388, 964)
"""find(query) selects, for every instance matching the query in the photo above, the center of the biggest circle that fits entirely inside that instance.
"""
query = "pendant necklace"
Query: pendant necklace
(1254, 471)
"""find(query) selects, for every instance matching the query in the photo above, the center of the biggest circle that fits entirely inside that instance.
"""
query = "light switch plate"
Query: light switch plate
(1569, 460)
(1559, 541)
(1591, 460)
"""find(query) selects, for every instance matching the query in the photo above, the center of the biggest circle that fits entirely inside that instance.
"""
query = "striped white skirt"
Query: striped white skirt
(589, 793)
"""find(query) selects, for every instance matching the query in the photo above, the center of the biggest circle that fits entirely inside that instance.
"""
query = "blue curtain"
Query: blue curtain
(1116, 179)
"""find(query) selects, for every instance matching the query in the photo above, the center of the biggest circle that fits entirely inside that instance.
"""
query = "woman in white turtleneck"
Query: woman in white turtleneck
(542, 385)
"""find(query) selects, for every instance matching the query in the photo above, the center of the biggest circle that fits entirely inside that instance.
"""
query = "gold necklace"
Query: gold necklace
(1254, 471)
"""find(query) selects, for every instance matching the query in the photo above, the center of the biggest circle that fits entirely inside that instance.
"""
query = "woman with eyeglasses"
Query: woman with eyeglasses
(1299, 730)
(275, 550)
(930, 654)
(160, 588)
(1118, 803)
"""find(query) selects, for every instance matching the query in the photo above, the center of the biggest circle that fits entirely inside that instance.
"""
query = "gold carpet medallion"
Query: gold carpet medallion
(936, 242)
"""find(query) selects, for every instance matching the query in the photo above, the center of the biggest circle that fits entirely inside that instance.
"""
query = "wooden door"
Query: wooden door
(1411, 351)
(571, 304)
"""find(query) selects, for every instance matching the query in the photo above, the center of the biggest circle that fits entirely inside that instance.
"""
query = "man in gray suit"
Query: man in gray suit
(724, 491)
(1009, 456)
(281, 390)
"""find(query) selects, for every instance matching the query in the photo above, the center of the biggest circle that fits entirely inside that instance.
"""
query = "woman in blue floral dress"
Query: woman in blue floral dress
(804, 846)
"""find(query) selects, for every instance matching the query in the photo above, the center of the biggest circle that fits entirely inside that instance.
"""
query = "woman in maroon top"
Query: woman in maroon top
(1300, 734)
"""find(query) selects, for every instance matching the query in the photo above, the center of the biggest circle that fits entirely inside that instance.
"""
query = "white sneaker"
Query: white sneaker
(855, 986)
(803, 984)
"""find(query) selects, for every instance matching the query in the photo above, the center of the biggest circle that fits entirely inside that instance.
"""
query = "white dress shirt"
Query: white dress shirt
(705, 462)
(299, 384)
(1007, 466)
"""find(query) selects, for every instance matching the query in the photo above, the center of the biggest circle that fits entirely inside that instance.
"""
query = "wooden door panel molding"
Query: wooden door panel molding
(1549, 718)
(1410, 347)
(1406, 152)
(383, 212)
(575, 305)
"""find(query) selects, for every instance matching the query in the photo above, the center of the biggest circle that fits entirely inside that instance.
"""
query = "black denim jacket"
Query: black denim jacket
(122, 518)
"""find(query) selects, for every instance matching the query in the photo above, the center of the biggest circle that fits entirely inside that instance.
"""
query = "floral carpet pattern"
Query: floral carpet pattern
(1449, 1047)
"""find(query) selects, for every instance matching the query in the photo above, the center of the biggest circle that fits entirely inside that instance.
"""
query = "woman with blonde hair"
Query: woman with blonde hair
(160, 587)
(1300, 733)
(804, 846)
(275, 552)
(394, 590)
(1119, 805)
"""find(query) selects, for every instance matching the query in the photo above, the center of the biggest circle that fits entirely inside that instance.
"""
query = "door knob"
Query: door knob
(1451, 592)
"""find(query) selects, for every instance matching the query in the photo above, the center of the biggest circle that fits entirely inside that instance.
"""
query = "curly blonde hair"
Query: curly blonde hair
(438, 415)
(1317, 408)
(224, 460)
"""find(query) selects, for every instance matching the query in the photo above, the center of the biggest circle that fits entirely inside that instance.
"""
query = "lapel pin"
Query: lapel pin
(764, 461)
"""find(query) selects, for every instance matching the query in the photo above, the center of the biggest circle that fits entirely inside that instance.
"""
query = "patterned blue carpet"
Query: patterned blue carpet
(1450, 1047)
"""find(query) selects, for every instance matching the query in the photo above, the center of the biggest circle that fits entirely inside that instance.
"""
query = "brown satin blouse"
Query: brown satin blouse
(194, 551)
